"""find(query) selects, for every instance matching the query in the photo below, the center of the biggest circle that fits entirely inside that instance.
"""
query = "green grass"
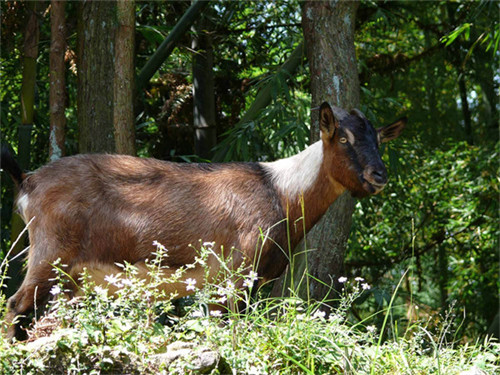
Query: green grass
(97, 333)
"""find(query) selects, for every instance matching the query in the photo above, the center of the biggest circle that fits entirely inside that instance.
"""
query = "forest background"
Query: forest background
(434, 62)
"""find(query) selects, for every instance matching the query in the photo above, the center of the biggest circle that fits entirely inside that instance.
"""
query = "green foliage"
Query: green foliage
(402, 57)
(101, 334)
(279, 130)
(440, 216)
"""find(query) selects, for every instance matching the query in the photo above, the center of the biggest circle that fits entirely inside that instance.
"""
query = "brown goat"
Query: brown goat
(95, 210)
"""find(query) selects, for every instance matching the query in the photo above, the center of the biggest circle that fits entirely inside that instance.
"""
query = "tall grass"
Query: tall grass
(98, 333)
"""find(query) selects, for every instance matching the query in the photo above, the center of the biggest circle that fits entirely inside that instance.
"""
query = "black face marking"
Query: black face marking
(364, 134)
(363, 153)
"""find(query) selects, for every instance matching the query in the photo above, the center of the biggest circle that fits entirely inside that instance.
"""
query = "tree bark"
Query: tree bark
(485, 77)
(442, 268)
(123, 115)
(96, 31)
(205, 136)
(457, 58)
(329, 38)
(30, 54)
(57, 92)
(465, 108)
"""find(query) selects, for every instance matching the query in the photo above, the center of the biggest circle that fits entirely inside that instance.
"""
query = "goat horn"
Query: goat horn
(358, 113)
(339, 113)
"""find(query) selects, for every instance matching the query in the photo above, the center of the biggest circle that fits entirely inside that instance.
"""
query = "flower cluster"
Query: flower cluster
(56, 289)
(250, 279)
(364, 286)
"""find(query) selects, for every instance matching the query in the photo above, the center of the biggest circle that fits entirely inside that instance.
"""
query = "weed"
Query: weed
(99, 333)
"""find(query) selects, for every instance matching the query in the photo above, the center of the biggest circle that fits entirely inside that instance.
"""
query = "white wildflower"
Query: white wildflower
(200, 261)
(100, 291)
(253, 275)
(55, 290)
(147, 294)
(197, 314)
(318, 314)
(216, 313)
(359, 279)
(159, 246)
(371, 329)
(342, 279)
(230, 286)
(250, 279)
(113, 279)
(222, 299)
(208, 245)
(127, 282)
(335, 318)
(366, 286)
(190, 284)
(248, 283)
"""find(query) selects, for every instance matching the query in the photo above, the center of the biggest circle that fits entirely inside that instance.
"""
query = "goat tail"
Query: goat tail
(10, 165)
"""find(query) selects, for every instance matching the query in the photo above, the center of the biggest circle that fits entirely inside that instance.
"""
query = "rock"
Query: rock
(42, 342)
(182, 355)
(205, 361)
(47, 342)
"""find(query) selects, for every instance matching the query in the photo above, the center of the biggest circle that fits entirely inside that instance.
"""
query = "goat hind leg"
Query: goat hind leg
(34, 292)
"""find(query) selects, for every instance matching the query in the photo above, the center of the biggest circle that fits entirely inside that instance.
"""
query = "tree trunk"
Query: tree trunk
(329, 38)
(203, 90)
(465, 108)
(57, 92)
(96, 30)
(457, 58)
(432, 113)
(30, 54)
(31, 37)
(485, 77)
(442, 268)
(124, 78)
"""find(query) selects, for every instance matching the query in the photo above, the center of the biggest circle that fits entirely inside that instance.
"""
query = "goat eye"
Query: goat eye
(343, 140)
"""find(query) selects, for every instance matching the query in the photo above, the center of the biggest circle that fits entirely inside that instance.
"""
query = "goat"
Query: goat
(95, 210)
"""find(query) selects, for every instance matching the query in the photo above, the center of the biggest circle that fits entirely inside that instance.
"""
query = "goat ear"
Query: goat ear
(392, 131)
(327, 121)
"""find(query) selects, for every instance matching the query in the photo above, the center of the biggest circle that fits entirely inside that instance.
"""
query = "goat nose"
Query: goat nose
(376, 175)
(379, 176)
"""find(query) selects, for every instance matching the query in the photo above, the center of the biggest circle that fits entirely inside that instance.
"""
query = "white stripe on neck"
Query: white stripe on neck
(295, 175)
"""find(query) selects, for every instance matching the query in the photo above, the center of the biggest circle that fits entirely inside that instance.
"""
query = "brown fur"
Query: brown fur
(95, 210)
